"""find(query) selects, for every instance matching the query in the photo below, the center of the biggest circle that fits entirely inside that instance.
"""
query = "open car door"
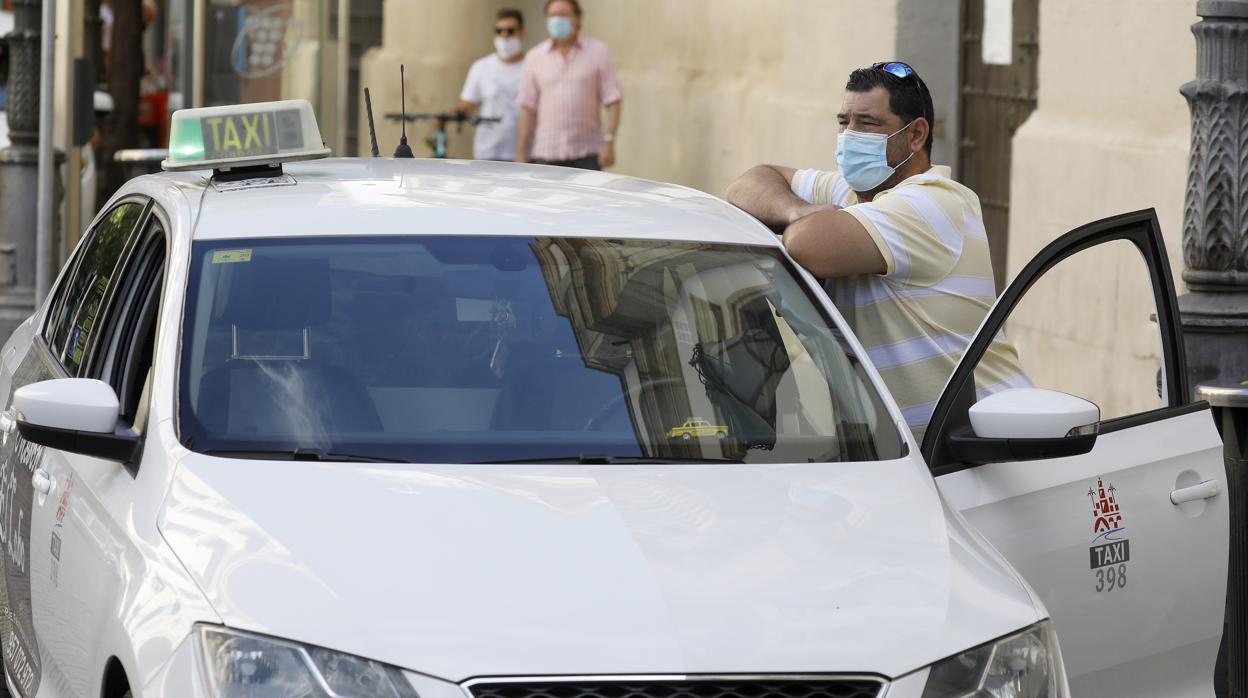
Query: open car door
(1116, 517)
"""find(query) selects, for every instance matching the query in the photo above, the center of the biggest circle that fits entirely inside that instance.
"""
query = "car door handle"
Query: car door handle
(41, 481)
(1205, 490)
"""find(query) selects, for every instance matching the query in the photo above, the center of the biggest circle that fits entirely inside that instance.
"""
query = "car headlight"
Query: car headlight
(241, 665)
(1027, 664)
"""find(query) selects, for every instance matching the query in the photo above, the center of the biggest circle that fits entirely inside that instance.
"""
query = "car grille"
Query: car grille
(692, 687)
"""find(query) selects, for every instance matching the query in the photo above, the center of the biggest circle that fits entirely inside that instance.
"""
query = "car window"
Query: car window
(75, 316)
(480, 349)
(1053, 324)
(125, 352)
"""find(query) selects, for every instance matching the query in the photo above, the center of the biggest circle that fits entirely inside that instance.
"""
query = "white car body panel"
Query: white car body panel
(119, 591)
(510, 570)
(1012, 502)
(431, 197)
(457, 572)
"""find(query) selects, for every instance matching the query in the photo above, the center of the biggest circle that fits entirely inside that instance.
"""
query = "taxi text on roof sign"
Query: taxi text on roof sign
(244, 135)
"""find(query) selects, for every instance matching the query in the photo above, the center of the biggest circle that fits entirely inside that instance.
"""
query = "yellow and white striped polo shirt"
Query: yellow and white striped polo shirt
(917, 319)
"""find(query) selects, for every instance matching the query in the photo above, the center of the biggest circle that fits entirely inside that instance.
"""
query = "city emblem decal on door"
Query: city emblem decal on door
(1110, 550)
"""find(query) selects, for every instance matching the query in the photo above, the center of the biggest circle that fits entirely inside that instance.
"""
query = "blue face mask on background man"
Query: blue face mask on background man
(862, 158)
(559, 26)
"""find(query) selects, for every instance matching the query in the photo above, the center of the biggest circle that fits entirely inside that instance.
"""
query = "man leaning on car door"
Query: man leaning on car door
(901, 245)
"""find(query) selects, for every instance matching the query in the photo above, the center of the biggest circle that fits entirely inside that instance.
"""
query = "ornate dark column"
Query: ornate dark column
(23, 104)
(19, 165)
(1215, 213)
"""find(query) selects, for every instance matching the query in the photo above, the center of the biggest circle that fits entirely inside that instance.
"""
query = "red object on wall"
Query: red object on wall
(154, 111)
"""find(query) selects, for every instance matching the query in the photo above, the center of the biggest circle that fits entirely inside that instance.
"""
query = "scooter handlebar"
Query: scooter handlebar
(445, 117)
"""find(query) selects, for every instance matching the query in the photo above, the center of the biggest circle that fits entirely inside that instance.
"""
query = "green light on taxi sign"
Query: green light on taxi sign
(244, 135)
(186, 141)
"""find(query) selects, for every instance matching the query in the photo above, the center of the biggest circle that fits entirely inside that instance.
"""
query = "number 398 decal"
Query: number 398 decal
(1110, 578)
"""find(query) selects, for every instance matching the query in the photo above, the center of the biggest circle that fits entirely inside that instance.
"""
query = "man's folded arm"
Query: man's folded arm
(765, 193)
(833, 243)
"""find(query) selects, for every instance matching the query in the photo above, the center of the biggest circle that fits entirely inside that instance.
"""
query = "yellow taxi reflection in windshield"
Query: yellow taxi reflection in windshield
(697, 427)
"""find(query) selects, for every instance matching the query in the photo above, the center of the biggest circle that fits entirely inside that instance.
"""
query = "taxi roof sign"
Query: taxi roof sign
(243, 135)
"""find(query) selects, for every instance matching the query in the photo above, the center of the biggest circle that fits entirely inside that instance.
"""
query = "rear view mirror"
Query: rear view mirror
(1027, 424)
(1031, 413)
(77, 415)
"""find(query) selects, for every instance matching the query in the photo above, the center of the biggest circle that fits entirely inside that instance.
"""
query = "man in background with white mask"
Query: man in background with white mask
(491, 89)
(569, 80)
(901, 245)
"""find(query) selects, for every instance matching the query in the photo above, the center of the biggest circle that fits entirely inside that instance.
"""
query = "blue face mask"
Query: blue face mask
(862, 158)
(559, 26)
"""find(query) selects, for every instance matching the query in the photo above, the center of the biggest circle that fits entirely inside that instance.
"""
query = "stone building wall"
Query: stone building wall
(1110, 135)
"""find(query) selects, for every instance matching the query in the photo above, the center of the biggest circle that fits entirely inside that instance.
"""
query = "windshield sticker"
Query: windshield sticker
(1110, 550)
(230, 256)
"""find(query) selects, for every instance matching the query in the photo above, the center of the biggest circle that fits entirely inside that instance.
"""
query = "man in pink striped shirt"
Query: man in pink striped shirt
(568, 80)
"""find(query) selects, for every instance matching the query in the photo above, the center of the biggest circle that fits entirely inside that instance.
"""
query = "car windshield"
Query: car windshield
(504, 349)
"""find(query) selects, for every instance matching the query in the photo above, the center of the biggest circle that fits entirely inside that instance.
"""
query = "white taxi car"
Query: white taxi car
(373, 427)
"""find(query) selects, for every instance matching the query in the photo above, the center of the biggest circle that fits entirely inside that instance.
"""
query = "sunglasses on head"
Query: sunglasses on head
(900, 70)
(896, 68)
(505, 31)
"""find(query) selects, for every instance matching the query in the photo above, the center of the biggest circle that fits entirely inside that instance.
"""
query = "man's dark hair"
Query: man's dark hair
(908, 97)
(511, 13)
(576, 6)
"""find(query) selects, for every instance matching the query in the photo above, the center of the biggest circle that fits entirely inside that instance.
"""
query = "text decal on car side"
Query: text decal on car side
(1111, 550)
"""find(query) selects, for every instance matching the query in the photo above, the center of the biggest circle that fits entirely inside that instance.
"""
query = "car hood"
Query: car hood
(465, 571)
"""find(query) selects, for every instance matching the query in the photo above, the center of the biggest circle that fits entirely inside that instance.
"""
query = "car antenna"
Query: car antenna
(404, 150)
(372, 132)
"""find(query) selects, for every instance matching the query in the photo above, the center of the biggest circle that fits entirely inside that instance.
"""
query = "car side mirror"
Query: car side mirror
(78, 415)
(1027, 424)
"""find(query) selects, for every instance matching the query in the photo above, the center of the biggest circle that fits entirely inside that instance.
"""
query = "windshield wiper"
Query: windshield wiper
(584, 459)
(605, 459)
(308, 454)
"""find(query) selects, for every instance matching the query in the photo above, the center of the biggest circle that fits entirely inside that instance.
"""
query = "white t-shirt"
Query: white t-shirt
(494, 85)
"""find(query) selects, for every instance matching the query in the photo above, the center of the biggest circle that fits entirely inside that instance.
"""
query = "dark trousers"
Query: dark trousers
(589, 162)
